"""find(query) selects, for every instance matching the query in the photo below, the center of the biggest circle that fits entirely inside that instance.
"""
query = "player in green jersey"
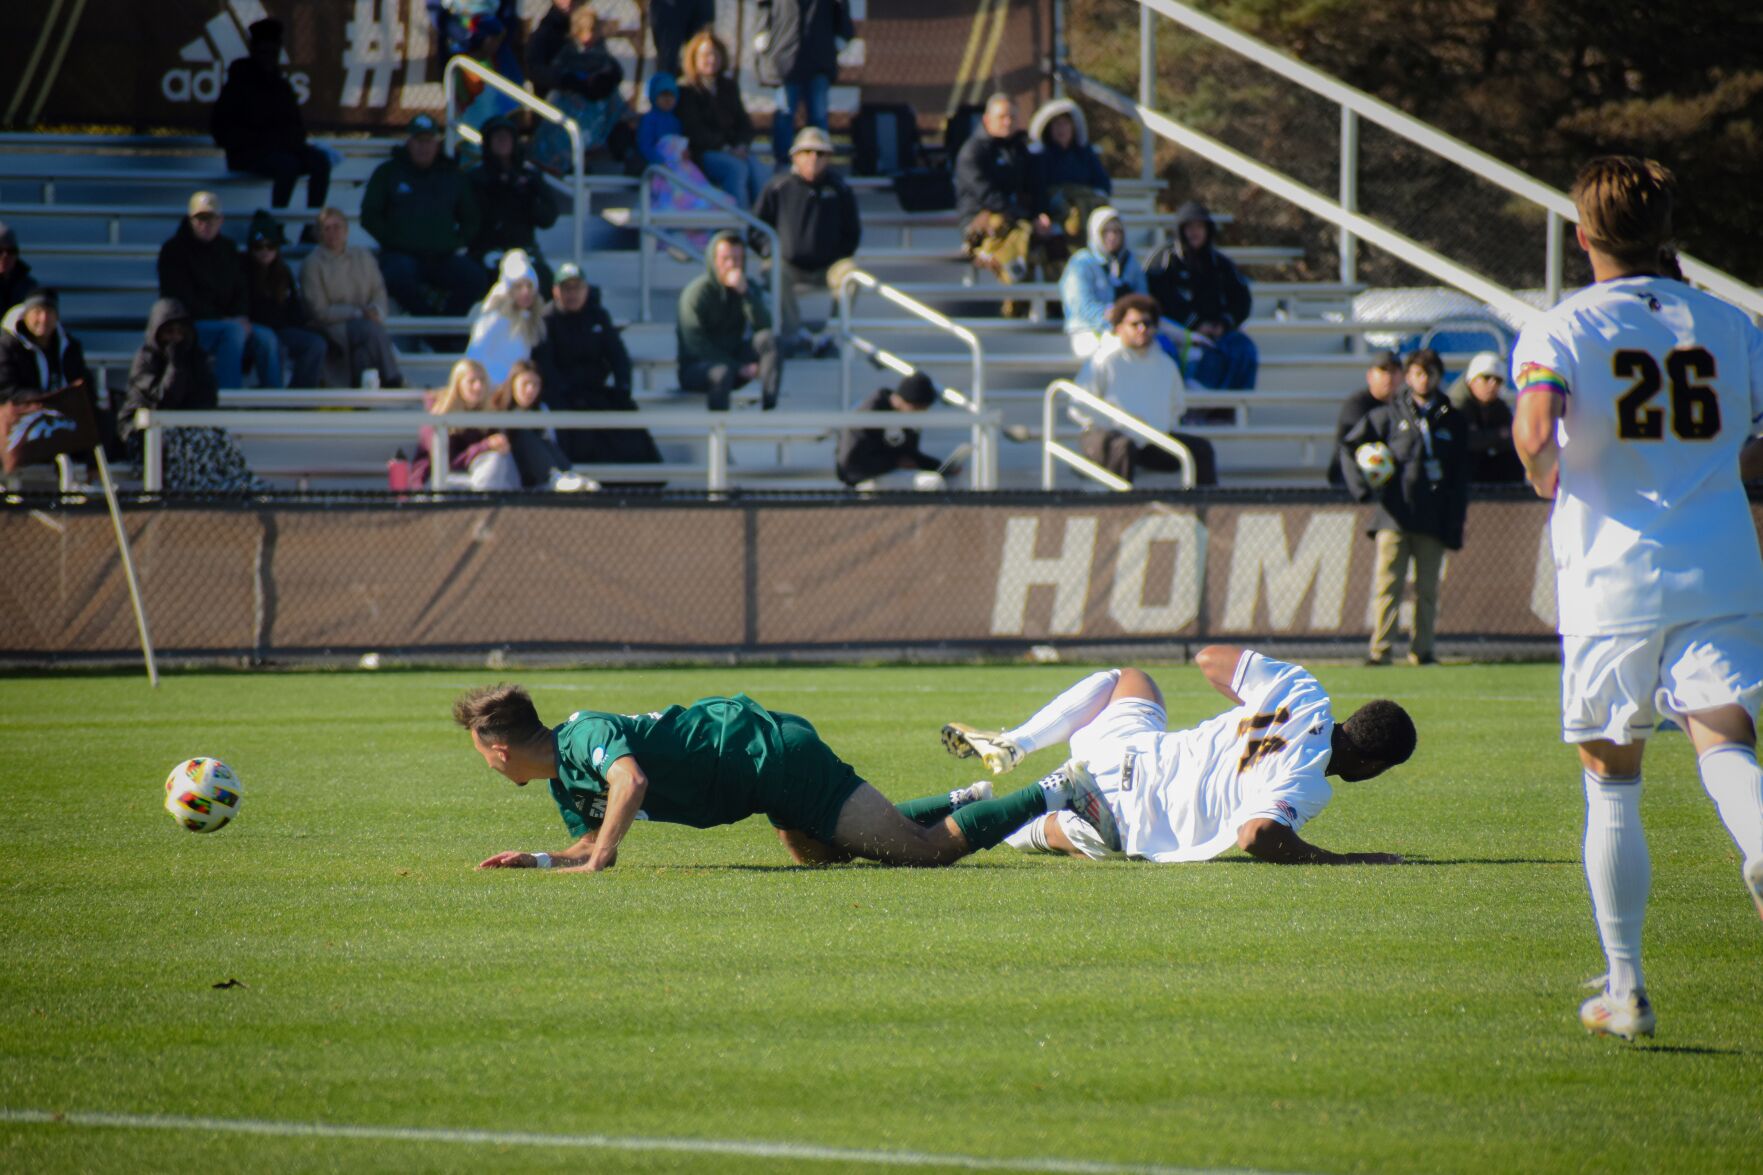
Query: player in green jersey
(721, 760)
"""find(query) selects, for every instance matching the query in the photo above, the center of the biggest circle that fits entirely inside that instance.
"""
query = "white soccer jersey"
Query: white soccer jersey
(1661, 385)
(1185, 794)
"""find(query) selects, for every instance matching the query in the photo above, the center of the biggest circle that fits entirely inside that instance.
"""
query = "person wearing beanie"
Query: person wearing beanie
(15, 275)
(257, 122)
(1134, 374)
(514, 200)
(37, 355)
(869, 454)
(660, 120)
(511, 322)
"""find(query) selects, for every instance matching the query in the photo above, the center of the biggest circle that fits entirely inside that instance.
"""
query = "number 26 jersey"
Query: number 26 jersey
(1661, 384)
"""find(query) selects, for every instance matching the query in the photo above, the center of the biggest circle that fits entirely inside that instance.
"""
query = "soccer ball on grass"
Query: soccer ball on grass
(202, 794)
(1376, 463)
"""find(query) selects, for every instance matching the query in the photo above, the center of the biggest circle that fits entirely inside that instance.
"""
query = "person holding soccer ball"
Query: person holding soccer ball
(1250, 778)
(1635, 399)
(719, 761)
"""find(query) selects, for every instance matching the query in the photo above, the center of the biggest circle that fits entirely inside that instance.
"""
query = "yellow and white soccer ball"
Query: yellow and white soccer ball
(1376, 463)
(202, 794)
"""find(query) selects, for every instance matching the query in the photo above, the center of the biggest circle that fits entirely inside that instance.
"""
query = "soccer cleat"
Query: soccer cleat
(1086, 801)
(1754, 883)
(973, 793)
(998, 753)
(1625, 1019)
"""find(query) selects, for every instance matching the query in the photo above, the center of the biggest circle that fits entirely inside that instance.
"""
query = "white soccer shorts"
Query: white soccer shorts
(1616, 687)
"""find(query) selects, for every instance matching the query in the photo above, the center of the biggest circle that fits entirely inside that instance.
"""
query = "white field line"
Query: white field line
(734, 1148)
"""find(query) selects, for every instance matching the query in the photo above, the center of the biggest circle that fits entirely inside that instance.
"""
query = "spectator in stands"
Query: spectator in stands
(725, 336)
(538, 457)
(420, 208)
(659, 121)
(510, 322)
(477, 458)
(866, 455)
(587, 90)
(275, 304)
(477, 102)
(256, 121)
(1095, 278)
(803, 46)
(672, 23)
(514, 201)
(1134, 374)
(1488, 420)
(818, 230)
(200, 268)
(453, 30)
(716, 122)
(545, 42)
(346, 299)
(1069, 177)
(37, 355)
(1420, 511)
(1382, 380)
(1202, 291)
(1002, 227)
(585, 368)
(171, 372)
(15, 275)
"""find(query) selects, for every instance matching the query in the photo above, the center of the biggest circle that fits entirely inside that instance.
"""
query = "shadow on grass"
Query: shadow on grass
(1491, 861)
(1693, 1050)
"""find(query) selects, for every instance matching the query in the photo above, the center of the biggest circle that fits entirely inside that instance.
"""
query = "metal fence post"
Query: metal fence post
(644, 245)
(1349, 244)
(1147, 91)
(1552, 259)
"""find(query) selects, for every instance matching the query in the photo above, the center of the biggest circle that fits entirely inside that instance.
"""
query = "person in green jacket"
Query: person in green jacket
(721, 760)
(725, 335)
(421, 209)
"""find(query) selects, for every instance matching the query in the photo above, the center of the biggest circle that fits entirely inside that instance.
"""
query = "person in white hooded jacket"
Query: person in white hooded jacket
(1132, 373)
(508, 323)
(1094, 279)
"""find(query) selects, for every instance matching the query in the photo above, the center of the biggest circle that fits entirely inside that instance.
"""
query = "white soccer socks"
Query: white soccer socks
(1735, 783)
(1066, 714)
(1619, 874)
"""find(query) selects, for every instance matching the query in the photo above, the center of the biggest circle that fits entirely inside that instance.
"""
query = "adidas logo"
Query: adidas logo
(223, 41)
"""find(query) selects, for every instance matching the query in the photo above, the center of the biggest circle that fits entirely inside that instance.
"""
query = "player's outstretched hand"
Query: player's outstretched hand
(509, 861)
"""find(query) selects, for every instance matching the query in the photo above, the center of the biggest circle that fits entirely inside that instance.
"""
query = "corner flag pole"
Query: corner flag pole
(128, 566)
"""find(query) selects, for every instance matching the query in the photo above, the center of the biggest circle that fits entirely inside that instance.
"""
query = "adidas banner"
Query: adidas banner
(37, 431)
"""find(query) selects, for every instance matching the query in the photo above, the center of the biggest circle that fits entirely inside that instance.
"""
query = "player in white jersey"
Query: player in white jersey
(1251, 777)
(1636, 399)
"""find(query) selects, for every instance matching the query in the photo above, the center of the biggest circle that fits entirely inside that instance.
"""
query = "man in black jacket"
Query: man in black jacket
(199, 267)
(257, 122)
(997, 198)
(866, 454)
(514, 201)
(1421, 508)
(1202, 291)
(37, 355)
(586, 368)
(1382, 380)
(818, 229)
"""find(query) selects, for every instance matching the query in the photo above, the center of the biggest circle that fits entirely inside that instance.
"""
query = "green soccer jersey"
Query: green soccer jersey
(704, 762)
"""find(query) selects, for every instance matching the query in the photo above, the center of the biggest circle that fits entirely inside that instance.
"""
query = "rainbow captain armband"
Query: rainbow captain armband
(1534, 377)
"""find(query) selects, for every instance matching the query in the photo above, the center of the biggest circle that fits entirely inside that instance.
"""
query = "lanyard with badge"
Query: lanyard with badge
(1432, 466)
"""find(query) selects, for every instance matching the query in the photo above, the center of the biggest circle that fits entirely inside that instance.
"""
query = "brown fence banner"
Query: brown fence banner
(265, 581)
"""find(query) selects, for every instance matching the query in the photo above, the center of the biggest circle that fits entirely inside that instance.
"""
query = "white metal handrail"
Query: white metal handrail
(457, 130)
(718, 428)
(1356, 104)
(721, 202)
(1052, 450)
(984, 473)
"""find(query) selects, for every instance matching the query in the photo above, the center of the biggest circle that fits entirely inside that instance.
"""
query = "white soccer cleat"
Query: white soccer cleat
(973, 793)
(1086, 801)
(998, 753)
(1625, 1019)
(1754, 883)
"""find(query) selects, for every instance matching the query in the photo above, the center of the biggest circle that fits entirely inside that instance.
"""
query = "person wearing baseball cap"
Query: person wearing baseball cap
(421, 209)
(585, 368)
(202, 269)
(257, 122)
(818, 229)
(867, 455)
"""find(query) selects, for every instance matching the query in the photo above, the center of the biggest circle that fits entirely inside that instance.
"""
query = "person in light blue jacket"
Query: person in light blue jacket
(1094, 278)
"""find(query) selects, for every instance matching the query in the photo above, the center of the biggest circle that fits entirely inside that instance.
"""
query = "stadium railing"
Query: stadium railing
(984, 471)
(656, 224)
(716, 428)
(457, 130)
(1355, 105)
(1052, 450)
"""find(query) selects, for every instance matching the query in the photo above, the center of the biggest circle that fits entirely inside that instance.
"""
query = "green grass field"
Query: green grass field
(1008, 1010)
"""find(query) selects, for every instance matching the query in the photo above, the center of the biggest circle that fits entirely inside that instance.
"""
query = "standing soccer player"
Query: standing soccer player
(1636, 397)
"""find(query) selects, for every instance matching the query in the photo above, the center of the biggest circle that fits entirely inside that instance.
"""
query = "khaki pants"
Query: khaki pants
(815, 279)
(1394, 549)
